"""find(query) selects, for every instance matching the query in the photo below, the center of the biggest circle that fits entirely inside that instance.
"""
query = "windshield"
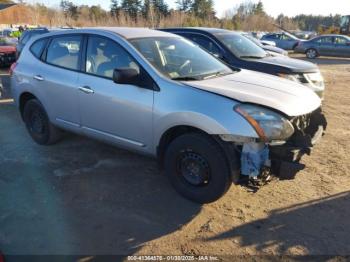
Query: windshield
(241, 46)
(179, 59)
(252, 38)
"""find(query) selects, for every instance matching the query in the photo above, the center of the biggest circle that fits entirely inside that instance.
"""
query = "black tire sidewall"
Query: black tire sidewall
(30, 107)
(220, 179)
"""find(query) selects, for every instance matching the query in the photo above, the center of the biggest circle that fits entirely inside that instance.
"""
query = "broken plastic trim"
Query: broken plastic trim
(244, 139)
(238, 139)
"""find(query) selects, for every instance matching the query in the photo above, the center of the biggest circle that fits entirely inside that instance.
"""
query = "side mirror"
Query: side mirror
(126, 76)
(348, 43)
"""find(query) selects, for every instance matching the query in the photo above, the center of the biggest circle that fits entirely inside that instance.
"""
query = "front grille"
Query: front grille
(8, 58)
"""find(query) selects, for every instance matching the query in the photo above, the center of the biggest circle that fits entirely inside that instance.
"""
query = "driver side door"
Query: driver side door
(118, 113)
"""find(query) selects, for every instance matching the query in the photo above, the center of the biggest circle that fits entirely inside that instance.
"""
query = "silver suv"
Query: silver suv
(158, 94)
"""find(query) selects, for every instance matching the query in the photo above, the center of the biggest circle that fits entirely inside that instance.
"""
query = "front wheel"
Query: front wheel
(311, 53)
(38, 124)
(197, 168)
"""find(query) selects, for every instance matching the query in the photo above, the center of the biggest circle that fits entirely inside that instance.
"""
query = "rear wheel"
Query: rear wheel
(311, 53)
(38, 124)
(197, 168)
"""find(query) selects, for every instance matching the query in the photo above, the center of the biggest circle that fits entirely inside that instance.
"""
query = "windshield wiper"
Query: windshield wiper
(251, 56)
(217, 74)
(186, 78)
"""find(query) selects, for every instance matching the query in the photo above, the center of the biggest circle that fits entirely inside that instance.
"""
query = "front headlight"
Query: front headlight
(269, 125)
(295, 78)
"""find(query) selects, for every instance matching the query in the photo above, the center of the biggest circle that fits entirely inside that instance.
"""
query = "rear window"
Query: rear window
(37, 47)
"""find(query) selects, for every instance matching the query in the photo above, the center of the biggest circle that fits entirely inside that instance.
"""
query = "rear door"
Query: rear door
(58, 78)
(119, 113)
(326, 46)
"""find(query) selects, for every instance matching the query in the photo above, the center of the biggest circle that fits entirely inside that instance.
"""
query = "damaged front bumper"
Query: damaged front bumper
(281, 157)
(285, 158)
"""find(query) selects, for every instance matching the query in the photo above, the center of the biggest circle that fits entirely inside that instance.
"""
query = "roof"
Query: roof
(133, 32)
(330, 35)
(202, 29)
(5, 6)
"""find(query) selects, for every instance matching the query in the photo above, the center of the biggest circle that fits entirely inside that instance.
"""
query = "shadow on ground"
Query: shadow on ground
(299, 227)
(80, 196)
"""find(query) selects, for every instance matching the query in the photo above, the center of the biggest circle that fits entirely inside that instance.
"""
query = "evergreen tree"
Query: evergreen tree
(146, 8)
(184, 5)
(259, 9)
(69, 9)
(203, 8)
(115, 8)
(160, 7)
(131, 7)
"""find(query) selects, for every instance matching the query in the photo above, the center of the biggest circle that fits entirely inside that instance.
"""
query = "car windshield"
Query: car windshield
(252, 38)
(179, 59)
(241, 46)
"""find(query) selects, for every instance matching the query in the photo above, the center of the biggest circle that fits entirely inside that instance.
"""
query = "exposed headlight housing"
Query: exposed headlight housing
(299, 78)
(269, 125)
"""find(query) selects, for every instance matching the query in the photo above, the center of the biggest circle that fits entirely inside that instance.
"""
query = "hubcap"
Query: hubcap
(312, 53)
(37, 123)
(193, 168)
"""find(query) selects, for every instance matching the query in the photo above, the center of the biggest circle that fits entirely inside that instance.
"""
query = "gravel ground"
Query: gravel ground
(84, 197)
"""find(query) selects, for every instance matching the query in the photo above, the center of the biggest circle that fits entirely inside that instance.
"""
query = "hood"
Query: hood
(291, 64)
(7, 49)
(288, 97)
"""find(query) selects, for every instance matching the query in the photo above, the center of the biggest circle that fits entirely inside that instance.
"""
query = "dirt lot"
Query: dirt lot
(84, 197)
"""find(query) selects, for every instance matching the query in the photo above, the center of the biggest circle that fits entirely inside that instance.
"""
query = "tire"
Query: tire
(38, 125)
(197, 168)
(311, 53)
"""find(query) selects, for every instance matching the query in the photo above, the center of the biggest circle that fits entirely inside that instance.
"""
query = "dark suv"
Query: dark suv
(238, 51)
(27, 35)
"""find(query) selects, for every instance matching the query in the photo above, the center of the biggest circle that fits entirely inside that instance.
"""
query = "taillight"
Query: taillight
(12, 68)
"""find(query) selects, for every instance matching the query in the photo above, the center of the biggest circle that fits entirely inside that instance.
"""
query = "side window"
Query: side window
(64, 52)
(37, 47)
(207, 44)
(272, 37)
(286, 37)
(340, 40)
(104, 55)
(325, 40)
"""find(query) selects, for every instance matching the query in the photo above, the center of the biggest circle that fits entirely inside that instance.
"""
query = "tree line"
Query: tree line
(247, 16)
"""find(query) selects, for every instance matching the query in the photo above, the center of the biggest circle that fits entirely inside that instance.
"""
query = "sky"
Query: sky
(272, 7)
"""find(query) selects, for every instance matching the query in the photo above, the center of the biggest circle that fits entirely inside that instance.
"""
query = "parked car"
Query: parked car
(238, 51)
(268, 43)
(272, 49)
(160, 95)
(7, 52)
(325, 45)
(283, 40)
(27, 35)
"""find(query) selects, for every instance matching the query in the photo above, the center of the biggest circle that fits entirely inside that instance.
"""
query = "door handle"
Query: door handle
(38, 77)
(86, 89)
